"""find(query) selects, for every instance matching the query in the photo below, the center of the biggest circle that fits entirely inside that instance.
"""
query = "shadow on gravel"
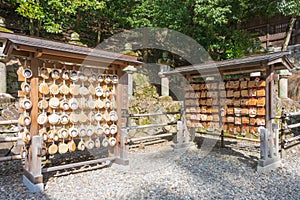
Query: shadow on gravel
(74, 157)
(160, 192)
(229, 150)
(223, 173)
(226, 173)
(11, 183)
(11, 173)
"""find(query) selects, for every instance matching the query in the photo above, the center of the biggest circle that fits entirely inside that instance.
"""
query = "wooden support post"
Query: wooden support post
(222, 139)
(33, 178)
(276, 139)
(269, 96)
(269, 158)
(120, 151)
(34, 110)
(283, 132)
(220, 88)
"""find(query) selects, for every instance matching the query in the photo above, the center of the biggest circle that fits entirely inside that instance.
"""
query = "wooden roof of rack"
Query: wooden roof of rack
(33, 47)
(240, 65)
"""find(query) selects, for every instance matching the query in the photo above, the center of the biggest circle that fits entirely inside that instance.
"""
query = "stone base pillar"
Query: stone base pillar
(164, 80)
(130, 70)
(164, 86)
(3, 85)
(283, 83)
(269, 149)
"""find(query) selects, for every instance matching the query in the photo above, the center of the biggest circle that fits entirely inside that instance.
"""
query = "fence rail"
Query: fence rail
(8, 158)
(7, 122)
(181, 135)
(285, 142)
(150, 114)
(151, 125)
(8, 139)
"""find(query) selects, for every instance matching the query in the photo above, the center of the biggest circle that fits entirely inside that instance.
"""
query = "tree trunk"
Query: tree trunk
(99, 31)
(31, 27)
(288, 34)
(78, 21)
(38, 27)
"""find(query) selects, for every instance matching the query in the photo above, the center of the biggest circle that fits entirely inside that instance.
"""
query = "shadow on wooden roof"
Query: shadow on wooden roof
(247, 64)
(25, 46)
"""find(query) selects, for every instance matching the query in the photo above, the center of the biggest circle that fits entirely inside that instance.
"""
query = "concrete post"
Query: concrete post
(283, 83)
(269, 150)
(179, 133)
(164, 80)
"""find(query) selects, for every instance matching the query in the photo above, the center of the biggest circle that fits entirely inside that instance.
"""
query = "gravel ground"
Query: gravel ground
(157, 172)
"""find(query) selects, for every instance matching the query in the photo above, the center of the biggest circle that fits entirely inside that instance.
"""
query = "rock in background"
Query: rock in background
(147, 100)
(12, 78)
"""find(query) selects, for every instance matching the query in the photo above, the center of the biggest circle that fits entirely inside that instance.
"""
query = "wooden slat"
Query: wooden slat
(21, 93)
(8, 158)
(9, 139)
(67, 166)
(151, 137)
(150, 114)
(272, 37)
(292, 139)
(294, 125)
(293, 114)
(80, 170)
(230, 136)
(151, 125)
(77, 56)
(149, 143)
(20, 53)
(6, 122)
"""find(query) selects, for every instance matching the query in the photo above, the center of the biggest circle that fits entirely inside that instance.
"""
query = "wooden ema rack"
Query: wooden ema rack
(96, 108)
(236, 106)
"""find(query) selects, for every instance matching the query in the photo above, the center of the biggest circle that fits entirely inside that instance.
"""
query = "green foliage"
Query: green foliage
(219, 30)
(31, 10)
(289, 7)
(57, 15)
(215, 24)
(269, 8)
(212, 13)
(157, 13)
(239, 44)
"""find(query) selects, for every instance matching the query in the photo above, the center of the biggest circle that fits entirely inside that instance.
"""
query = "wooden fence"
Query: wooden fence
(290, 135)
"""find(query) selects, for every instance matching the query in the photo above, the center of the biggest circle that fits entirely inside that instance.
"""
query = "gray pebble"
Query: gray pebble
(222, 174)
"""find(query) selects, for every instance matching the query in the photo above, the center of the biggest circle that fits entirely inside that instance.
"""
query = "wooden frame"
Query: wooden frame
(35, 50)
(267, 64)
